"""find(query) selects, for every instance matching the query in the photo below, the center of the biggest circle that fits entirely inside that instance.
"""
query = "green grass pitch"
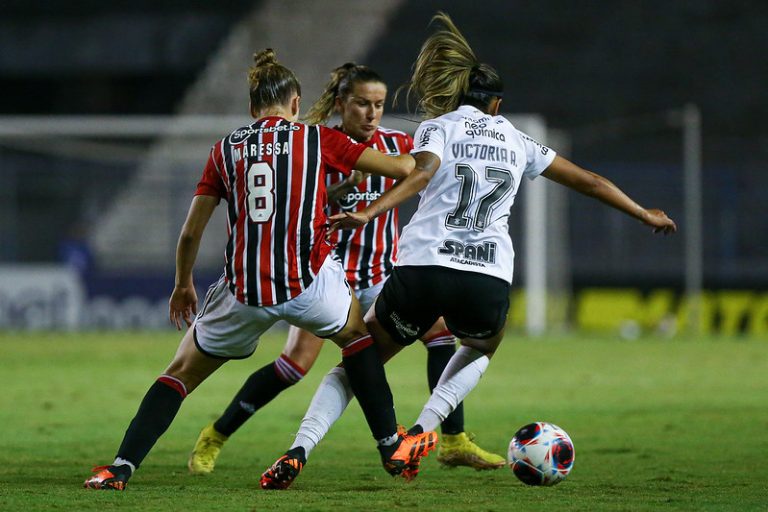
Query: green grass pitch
(657, 425)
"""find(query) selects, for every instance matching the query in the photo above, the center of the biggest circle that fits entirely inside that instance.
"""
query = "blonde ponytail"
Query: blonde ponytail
(445, 70)
(323, 108)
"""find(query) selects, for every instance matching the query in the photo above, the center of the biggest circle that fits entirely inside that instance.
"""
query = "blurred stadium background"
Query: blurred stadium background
(109, 108)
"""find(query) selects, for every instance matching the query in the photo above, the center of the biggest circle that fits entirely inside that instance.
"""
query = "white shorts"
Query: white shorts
(367, 296)
(229, 329)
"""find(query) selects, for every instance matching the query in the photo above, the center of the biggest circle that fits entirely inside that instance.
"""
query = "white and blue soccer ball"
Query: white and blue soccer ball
(541, 454)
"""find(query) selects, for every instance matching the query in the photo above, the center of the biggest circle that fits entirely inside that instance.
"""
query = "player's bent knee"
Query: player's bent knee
(302, 348)
(354, 329)
(485, 345)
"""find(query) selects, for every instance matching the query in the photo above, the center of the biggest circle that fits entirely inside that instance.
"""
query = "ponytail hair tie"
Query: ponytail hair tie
(477, 90)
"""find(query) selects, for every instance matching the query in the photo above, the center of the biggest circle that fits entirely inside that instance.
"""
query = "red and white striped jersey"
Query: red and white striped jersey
(369, 253)
(272, 174)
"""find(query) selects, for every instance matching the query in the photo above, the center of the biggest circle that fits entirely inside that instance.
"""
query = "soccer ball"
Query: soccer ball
(541, 454)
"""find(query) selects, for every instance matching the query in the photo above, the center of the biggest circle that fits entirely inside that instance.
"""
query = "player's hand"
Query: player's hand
(357, 177)
(182, 305)
(659, 221)
(348, 220)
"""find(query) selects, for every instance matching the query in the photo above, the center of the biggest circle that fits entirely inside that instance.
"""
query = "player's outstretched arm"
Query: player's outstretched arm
(591, 184)
(376, 162)
(183, 302)
(427, 165)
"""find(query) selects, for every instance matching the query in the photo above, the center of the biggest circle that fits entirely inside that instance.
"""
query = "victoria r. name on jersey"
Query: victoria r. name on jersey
(483, 152)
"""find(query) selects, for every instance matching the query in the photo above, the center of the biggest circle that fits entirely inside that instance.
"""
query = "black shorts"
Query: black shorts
(414, 297)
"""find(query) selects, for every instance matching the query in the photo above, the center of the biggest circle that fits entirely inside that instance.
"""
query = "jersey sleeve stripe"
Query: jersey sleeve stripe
(279, 220)
(297, 150)
(238, 232)
(312, 160)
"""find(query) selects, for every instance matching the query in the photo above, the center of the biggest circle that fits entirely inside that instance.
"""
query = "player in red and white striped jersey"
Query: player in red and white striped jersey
(278, 267)
(272, 174)
(368, 255)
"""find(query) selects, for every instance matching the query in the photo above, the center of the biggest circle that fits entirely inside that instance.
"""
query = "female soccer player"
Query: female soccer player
(368, 254)
(456, 256)
(277, 267)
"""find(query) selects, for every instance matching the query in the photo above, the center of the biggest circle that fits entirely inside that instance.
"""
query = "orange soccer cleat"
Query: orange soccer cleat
(113, 478)
(283, 472)
(408, 453)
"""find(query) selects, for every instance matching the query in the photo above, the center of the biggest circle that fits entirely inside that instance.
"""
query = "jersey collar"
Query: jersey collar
(369, 143)
(470, 108)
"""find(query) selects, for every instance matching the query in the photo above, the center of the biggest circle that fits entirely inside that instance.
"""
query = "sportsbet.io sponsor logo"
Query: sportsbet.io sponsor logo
(350, 199)
(243, 133)
(469, 254)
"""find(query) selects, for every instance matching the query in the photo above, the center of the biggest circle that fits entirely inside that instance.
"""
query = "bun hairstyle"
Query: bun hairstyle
(341, 85)
(447, 74)
(270, 83)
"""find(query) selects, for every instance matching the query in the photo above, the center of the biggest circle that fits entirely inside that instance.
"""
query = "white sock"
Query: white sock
(388, 441)
(123, 462)
(460, 376)
(331, 398)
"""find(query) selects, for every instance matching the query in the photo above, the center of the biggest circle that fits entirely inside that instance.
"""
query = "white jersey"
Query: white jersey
(462, 218)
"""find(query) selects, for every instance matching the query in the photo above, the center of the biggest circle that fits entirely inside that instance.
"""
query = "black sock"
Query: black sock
(437, 359)
(259, 389)
(121, 472)
(416, 429)
(369, 383)
(155, 414)
(298, 453)
(387, 450)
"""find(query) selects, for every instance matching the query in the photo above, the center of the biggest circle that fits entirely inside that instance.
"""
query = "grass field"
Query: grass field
(657, 425)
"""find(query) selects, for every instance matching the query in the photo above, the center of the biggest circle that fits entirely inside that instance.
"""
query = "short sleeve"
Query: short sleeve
(537, 156)
(339, 151)
(211, 183)
(429, 136)
(408, 144)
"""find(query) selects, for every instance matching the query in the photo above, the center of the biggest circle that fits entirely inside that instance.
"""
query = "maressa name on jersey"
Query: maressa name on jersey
(469, 254)
(259, 150)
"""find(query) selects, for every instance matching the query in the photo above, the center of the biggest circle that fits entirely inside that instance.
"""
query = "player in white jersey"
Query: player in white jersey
(462, 218)
(456, 256)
